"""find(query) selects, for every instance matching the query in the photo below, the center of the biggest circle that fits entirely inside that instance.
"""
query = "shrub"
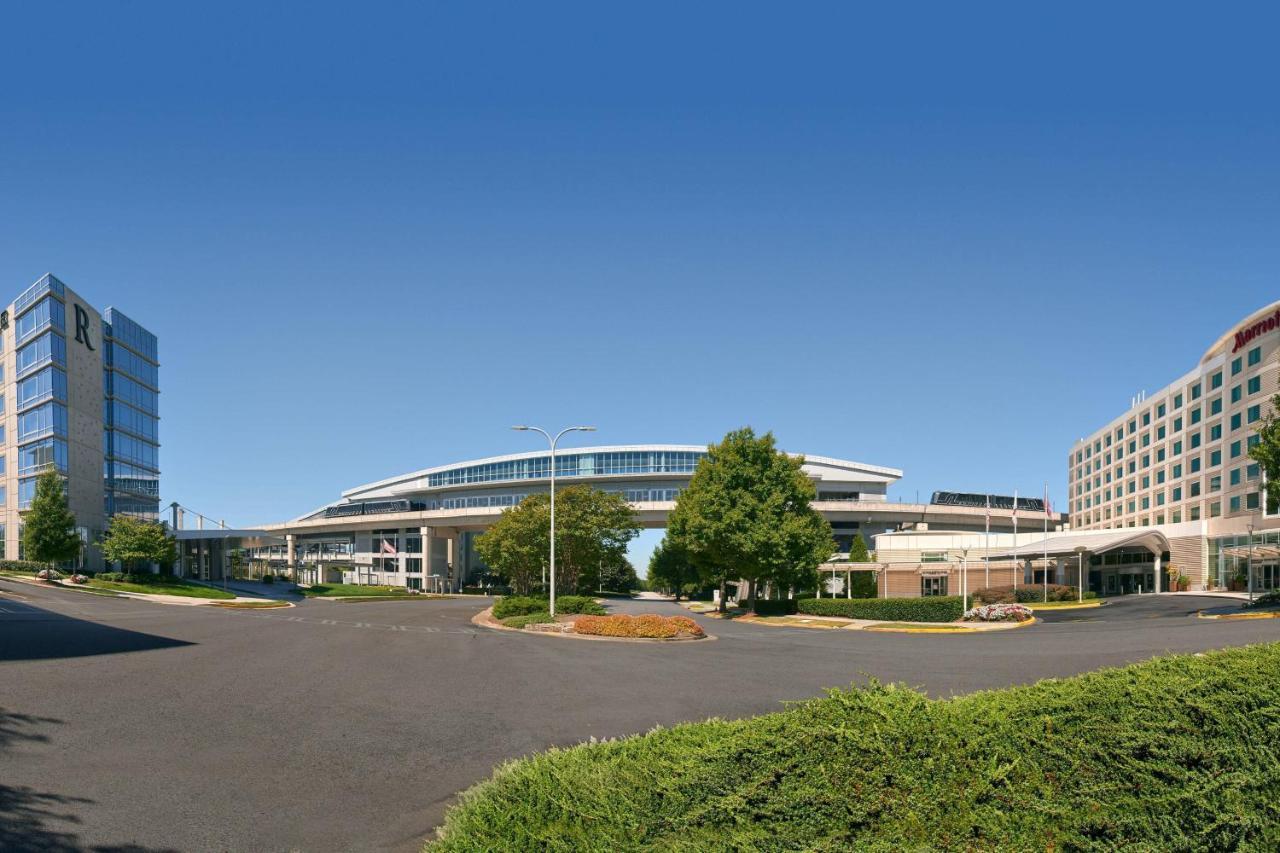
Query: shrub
(650, 626)
(939, 608)
(79, 579)
(528, 619)
(578, 604)
(48, 575)
(768, 607)
(998, 613)
(517, 605)
(1028, 594)
(486, 590)
(1268, 599)
(884, 768)
(268, 578)
(21, 567)
(109, 576)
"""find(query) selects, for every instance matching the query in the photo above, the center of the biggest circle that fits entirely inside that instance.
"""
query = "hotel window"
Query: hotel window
(1133, 426)
(1160, 433)
(1177, 424)
(1255, 356)
(1235, 477)
(1133, 446)
(1252, 472)
(1195, 391)
(1177, 493)
(1251, 500)
(1195, 464)
(1235, 449)
(1215, 432)
(1177, 471)
(1236, 366)
(1177, 401)
(1159, 498)
(1235, 422)
(1175, 516)
(1237, 392)
(1160, 518)
(1160, 455)
(1252, 442)
(1195, 440)
(1146, 419)
(1215, 483)
(1133, 466)
(1195, 415)
(1215, 406)
(1146, 503)
(1159, 477)
(1255, 385)
(1195, 488)
(1235, 504)
(1177, 448)
(1160, 410)
(1255, 413)
(1215, 381)
(1133, 506)
(1146, 481)
(1215, 509)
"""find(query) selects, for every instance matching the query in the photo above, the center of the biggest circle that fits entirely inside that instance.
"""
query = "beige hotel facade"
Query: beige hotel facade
(1178, 461)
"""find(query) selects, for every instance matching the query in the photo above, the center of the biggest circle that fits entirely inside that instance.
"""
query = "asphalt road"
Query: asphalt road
(126, 725)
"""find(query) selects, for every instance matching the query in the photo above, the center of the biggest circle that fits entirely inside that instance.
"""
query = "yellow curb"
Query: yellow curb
(269, 605)
(485, 620)
(1271, 614)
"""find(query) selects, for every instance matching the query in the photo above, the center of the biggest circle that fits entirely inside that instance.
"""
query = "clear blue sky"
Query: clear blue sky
(371, 237)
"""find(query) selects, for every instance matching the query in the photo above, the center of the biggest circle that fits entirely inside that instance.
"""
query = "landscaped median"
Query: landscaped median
(358, 592)
(1170, 754)
(931, 615)
(583, 616)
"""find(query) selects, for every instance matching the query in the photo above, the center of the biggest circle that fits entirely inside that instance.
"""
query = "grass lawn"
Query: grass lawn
(1176, 753)
(168, 586)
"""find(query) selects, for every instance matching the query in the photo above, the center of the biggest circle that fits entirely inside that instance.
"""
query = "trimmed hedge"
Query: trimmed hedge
(21, 567)
(1028, 594)
(1176, 753)
(519, 605)
(578, 604)
(528, 619)
(769, 607)
(939, 608)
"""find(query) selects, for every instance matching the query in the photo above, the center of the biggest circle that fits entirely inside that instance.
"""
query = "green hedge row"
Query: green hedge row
(1176, 753)
(1029, 594)
(940, 608)
(768, 607)
(21, 567)
(519, 605)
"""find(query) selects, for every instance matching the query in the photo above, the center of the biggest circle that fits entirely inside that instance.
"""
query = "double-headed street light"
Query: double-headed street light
(553, 442)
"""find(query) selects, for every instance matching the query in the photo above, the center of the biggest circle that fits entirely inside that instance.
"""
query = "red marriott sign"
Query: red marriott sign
(1250, 333)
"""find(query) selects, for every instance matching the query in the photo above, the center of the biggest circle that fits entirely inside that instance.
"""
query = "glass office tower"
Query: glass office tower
(80, 396)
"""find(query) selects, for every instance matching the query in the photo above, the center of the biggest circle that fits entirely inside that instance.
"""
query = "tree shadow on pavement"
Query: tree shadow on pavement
(27, 816)
(28, 632)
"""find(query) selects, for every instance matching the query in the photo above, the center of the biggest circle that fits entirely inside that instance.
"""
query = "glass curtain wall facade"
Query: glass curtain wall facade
(130, 417)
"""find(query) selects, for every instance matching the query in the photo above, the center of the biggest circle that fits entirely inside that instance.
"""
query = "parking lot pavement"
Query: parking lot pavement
(343, 726)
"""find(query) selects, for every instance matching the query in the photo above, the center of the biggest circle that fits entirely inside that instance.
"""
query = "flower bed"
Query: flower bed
(998, 613)
(647, 626)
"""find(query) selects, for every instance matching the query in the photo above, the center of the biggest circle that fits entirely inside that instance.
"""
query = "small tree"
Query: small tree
(747, 514)
(858, 550)
(48, 527)
(1267, 453)
(133, 542)
(669, 568)
(617, 574)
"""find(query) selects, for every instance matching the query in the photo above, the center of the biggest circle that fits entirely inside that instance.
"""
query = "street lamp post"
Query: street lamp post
(964, 578)
(1249, 564)
(1080, 549)
(553, 442)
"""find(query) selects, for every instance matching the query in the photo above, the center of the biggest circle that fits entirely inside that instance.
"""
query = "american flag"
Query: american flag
(387, 548)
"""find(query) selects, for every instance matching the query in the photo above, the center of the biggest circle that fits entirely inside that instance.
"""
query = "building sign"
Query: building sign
(82, 326)
(1249, 334)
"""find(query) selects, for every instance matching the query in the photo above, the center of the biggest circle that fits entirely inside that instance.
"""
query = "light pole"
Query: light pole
(553, 441)
(1080, 549)
(964, 578)
(1250, 561)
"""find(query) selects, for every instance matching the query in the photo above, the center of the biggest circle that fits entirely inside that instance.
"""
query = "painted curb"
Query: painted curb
(1233, 617)
(485, 620)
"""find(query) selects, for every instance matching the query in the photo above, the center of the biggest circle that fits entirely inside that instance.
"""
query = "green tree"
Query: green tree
(858, 550)
(1267, 453)
(133, 543)
(670, 568)
(48, 528)
(618, 575)
(746, 514)
(592, 531)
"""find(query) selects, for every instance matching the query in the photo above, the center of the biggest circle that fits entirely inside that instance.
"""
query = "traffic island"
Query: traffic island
(1230, 614)
(645, 628)
(837, 623)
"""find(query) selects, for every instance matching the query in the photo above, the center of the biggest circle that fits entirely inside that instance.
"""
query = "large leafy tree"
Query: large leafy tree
(48, 527)
(747, 514)
(133, 542)
(670, 568)
(1267, 453)
(617, 575)
(592, 531)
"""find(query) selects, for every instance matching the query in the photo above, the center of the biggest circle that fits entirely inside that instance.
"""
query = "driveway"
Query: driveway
(350, 726)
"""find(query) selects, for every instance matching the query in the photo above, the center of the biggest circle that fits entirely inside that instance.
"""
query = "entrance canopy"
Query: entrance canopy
(1065, 544)
(1259, 551)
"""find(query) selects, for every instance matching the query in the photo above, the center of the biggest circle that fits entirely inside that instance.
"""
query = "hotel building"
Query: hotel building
(81, 396)
(1178, 460)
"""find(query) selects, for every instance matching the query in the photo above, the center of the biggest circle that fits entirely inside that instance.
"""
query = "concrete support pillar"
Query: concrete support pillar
(1059, 571)
(291, 555)
(1159, 571)
(428, 570)
(451, 559)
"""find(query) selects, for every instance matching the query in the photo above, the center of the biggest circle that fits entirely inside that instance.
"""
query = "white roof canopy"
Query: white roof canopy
(1065, 544)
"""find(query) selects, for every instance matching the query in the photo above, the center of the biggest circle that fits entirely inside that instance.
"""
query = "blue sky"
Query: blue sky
(372, 237)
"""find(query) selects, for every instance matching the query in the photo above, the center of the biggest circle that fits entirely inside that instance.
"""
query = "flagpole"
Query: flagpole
(986, 544)
(1046, 542)
(1015, 544)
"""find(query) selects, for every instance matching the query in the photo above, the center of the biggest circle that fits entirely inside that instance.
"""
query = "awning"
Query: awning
(1065, 544)
(1258, 551)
